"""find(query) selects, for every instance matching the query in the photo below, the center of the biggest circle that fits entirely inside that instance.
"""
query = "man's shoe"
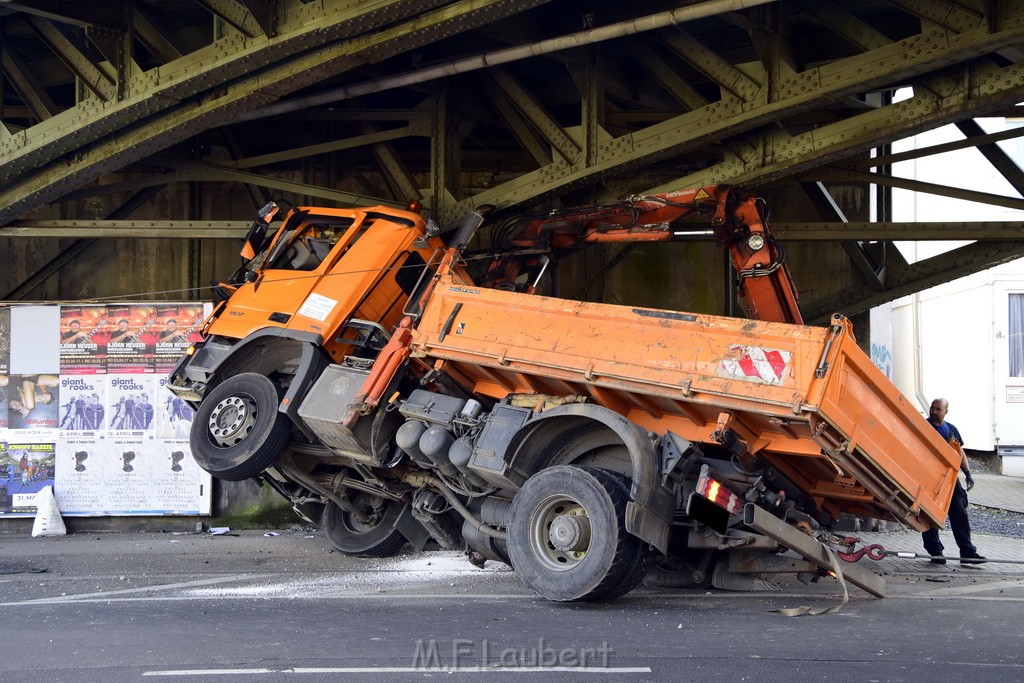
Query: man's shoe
(938, 560)
(972, 560)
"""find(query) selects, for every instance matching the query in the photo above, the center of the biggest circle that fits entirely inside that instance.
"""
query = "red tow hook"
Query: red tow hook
(873, 551)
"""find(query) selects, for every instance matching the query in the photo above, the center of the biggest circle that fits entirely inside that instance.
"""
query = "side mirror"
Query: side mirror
(258, 232)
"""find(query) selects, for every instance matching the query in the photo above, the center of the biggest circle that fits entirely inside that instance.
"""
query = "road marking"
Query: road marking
(100, 597)
(975, 588)
(104, 597)
(250, 590)
(407, 670)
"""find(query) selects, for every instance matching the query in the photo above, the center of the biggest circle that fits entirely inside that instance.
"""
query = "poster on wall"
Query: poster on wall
(83, 403)
(132, 339)
(81, 486)
(178, 327)
(32, 401)
(130, 410)
(174, 416)
(31, 466)
(83, 339)
(85, 409)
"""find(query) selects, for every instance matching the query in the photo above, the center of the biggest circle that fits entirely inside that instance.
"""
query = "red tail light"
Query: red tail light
(717, 493)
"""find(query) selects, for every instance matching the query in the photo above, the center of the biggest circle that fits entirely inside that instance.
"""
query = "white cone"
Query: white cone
(48, 520)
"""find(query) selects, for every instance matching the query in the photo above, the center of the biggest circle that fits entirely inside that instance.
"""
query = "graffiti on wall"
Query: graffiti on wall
(882, 358)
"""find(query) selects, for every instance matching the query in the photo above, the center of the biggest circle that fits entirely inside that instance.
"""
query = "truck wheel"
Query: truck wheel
(567, 536)
(644, 558)
(237, 431)
(371, 536)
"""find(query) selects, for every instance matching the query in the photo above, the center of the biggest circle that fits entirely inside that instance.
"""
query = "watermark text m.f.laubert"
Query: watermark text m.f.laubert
(467, 653)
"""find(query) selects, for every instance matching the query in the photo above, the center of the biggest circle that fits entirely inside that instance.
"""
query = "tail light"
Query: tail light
(718, 493)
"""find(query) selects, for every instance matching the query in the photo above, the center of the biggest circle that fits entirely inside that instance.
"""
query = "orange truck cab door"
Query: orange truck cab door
(326, 266)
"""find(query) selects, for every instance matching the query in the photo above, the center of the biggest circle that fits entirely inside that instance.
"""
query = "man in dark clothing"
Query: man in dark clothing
(958, 521)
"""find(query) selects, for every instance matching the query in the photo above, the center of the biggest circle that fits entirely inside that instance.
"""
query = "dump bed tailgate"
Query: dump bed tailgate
(805, 398)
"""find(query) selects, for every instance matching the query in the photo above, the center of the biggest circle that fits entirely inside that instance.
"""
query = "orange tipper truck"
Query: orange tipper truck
(354, 365)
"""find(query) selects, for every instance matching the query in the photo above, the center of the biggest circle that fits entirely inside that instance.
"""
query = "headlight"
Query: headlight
(755, 241)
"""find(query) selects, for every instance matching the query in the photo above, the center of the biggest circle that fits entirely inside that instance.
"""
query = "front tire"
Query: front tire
(567, 536)
(237, 431)
(370, 535)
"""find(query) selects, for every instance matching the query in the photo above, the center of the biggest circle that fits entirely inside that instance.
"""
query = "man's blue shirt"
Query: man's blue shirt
(947, 430)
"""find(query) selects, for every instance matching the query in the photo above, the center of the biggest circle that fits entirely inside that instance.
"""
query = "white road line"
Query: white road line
(975, 588)
(408, 670)
(103, 597)
(149, 594)
(100, 597)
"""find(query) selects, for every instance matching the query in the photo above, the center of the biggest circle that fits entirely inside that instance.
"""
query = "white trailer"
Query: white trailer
(964, 341)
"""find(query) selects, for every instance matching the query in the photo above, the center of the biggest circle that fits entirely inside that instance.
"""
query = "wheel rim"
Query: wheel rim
(232, 420)
(560, 533)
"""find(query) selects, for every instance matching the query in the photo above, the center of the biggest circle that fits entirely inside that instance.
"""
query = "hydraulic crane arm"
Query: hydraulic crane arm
(738, 222)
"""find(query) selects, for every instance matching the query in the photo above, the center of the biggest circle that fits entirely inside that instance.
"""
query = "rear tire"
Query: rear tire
(644, 557)
(237, 431)
(372, 536)
(567, 536)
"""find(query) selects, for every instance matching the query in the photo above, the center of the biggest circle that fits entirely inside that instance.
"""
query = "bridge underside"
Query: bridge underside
(173, 119)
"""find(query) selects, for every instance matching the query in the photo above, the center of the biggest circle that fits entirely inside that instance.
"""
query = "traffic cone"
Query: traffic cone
(48, 521)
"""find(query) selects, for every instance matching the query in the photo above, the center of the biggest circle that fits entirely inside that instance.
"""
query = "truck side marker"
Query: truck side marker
(756, 364)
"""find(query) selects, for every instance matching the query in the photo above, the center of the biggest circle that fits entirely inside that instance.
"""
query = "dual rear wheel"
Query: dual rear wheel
(567, 535)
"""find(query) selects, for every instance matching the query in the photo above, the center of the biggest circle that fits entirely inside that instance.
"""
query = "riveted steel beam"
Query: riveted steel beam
(945, 14)
(192, 171)
(829, 210)
(666, 76)
(516, 124)
(527, 105)
(189, 117)
(912, 278)
(589, 81)
(396, 176)
(118, 46)
(333, 146)
(28, 86)
(206, 70)
(93, 13)
(233, 14)
(265, 14)
(982, 87)
(999, 159)
(921, 152)
(258, 195)
(79, 58)
(99, 229)
(837, 19)
(792, 231)
(829, 174)
(154, 37)
(731, 80)
(442, 172)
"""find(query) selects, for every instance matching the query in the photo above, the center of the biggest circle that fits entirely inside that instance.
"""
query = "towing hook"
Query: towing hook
(873, 551)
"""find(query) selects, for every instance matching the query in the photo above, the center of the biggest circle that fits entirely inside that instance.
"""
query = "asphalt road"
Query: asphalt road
(182, 607)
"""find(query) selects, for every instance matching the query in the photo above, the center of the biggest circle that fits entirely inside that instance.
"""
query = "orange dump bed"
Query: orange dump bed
(805, 398)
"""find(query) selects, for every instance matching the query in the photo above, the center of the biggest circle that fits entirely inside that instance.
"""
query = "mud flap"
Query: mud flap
(648, 525)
